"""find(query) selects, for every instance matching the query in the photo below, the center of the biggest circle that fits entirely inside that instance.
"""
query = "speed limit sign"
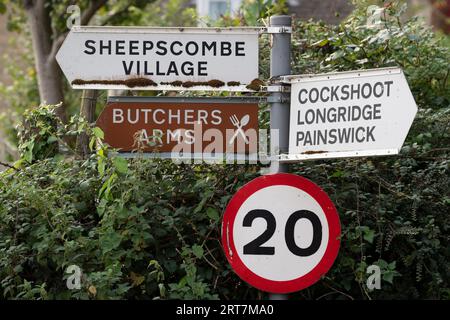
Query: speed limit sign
(281, 233)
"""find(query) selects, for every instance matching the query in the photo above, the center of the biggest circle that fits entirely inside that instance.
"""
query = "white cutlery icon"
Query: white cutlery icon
(239, 125)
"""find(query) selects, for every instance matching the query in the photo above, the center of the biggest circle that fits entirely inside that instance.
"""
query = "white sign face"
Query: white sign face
(283, 265)
(160, 58)
(345, 114)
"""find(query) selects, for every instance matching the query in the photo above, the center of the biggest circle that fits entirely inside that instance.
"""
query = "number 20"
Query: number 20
(255, 246)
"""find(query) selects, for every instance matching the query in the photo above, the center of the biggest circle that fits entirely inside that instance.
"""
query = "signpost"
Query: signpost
(349, 114)
(190, 126)
(145, 58)
(281, 233)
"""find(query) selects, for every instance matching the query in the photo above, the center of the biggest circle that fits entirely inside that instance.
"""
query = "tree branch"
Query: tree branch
(87, 14)
(57, 43)
(85, 18)
(116, 14)
(40, 25)
(8, 166)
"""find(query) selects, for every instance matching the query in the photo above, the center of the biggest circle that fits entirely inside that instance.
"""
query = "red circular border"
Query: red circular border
(334, 228)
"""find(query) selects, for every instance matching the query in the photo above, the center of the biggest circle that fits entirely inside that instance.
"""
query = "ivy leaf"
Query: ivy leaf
(98, 133)
(320, 43)
(93, 290)
(212, 214)
(52, 139)
(197, 250)
(110, 241)
(388, 276)
(369, 235)
(136, 278)
(120, 164)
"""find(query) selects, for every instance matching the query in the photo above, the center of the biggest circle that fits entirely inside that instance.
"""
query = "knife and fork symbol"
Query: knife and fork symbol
(239, 124)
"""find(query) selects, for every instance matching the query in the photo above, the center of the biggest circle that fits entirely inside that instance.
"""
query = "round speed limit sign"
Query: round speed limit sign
(281, 233)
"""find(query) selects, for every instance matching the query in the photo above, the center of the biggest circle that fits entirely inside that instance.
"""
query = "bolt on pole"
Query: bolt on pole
(280, 65)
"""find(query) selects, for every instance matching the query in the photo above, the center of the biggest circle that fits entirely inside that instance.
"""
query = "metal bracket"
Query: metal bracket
(282, 29)
(276, 88)
(278, 99)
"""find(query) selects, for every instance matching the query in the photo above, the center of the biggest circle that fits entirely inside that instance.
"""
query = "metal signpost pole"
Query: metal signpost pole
(280, 64)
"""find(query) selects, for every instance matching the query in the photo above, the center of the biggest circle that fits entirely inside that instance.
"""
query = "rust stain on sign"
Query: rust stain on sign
(255, 85)
(131, 83)
(211, 83)
(173, 83)
(146, 82)
(313, 152)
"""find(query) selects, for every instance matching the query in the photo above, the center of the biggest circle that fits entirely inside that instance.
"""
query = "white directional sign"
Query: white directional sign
(144, 58)
(347, 114)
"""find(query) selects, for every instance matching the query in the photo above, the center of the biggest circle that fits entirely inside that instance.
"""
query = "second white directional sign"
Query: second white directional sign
(347, 114)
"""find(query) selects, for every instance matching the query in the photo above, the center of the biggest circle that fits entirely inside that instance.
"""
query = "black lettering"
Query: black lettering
(300, 96)
(162, 50)
(355, 91)
(311, 99)
(344, 90)
(380, 93)
(172, 48)
(332, 136)
(388, 83)
(344, 135)
(158, 71)
(366, 112)
(187, 68)
(300, 137)
(202, 68)
(341, 114)
(355, 115)
(299, 118)
(88, 45)
(172, 68)
(366, 85)
(212, 46)
(331, 115)
(376, 111)
(240, 48)
(120, 47)
(334, 96)
(146, 72)
(225, 48)
(321, 115)
(358, 130)
(107, 46)
(290, 233)
(309, 116)
(255, 246)
(370, 134)
(189, 45)
(322, 98)
(127, 69)
(134, 47)
(147, 45)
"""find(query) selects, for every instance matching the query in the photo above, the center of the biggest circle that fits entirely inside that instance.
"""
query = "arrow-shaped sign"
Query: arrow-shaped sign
(348, 114)
(144, 58)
